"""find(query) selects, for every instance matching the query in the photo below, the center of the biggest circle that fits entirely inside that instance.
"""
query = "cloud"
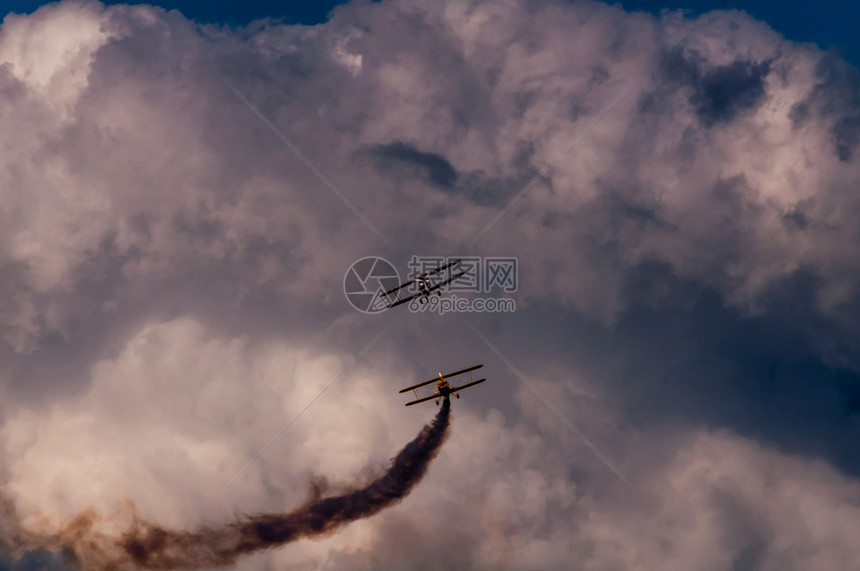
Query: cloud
(167, 425)
(52, 55)
(171, 274)
(834, 97)
(708, 145)
(728, 503)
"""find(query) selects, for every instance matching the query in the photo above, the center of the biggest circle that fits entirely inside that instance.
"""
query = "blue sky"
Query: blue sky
(827, 23)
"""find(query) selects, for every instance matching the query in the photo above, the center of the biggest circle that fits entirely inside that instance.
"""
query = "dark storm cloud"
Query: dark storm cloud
(727, 91)
(718, 94)
(679, 356)
(432, 167)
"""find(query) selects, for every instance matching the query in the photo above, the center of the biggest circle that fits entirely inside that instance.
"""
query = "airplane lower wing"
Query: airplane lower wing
(413, 387)
(404, 300)
(401, 286)
(436, 396)
(414, 295)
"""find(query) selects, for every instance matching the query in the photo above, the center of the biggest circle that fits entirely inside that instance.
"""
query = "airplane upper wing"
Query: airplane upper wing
(460, 372)
(434, 379)
(467, 385)
(394, 289)
(424, 275)
(440, 268)
(446, 282)
(437, 395)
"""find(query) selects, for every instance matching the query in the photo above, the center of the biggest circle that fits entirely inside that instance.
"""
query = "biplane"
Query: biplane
(443, 388)
(423, 285)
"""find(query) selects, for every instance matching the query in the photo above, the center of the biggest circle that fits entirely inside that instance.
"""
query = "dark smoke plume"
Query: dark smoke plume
(150, 546)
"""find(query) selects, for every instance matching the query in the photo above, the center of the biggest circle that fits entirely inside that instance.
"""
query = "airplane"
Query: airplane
(443, 387)
(424, 285)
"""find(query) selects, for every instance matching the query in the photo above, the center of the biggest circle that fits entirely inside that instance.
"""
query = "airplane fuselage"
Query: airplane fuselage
(443, 387)
(424, 289)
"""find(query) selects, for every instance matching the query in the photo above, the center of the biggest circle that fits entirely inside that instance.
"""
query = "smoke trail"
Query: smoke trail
(10, 533)
(147, 545)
